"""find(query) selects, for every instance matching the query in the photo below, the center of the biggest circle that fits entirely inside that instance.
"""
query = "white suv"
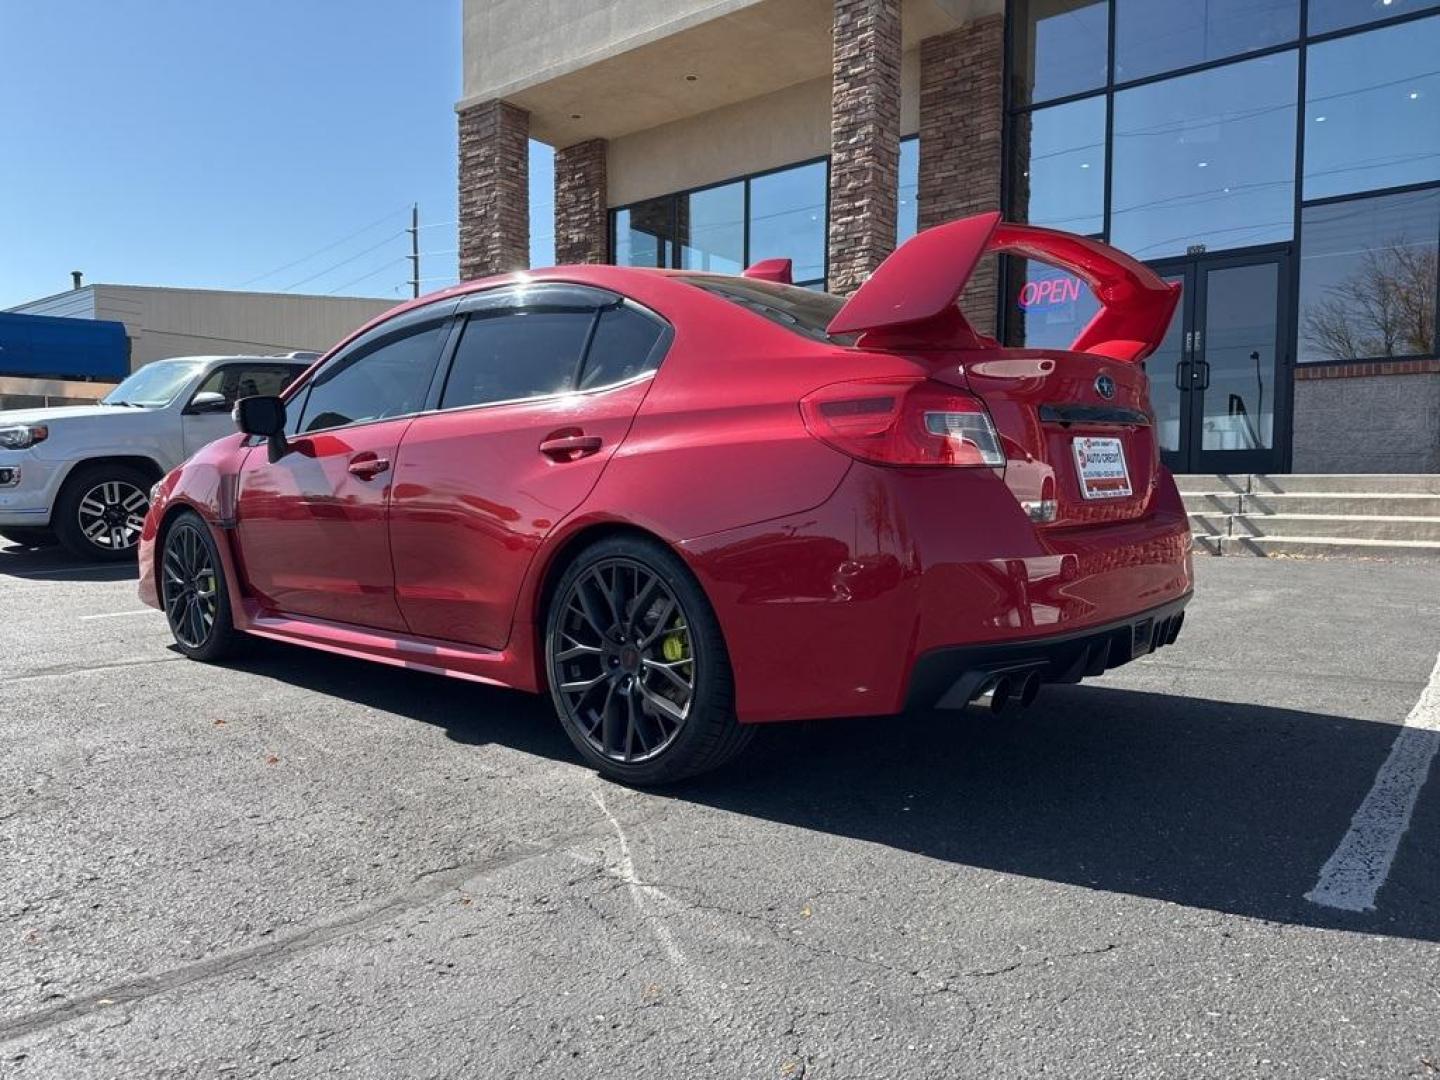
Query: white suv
(81, 475)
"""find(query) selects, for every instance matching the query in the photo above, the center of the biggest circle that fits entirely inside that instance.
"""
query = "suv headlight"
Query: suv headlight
(22, 436)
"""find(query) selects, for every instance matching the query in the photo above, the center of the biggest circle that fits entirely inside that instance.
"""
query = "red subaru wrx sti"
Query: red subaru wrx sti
(686, 504)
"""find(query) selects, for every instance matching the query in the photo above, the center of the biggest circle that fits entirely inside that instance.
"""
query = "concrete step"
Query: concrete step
(1354, 527)
(1329, 547)
(1310, 483)
(1212, 502)
(1340, 504)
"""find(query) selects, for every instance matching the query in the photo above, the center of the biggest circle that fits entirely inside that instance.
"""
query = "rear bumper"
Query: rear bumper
(905, 573)
(951, 677)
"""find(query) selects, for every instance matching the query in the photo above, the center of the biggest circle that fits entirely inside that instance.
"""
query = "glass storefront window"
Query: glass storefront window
(787, 219)
(1061, 47)
(1327, 15)
(907, 210)
(1206, 159)
(710, 225)
(1046, 307)
(1154, 36)
(1372, 110)
(643, 233)
(1368, 277)
(1059, 166)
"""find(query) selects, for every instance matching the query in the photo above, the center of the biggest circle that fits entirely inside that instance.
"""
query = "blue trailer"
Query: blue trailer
(45, 347)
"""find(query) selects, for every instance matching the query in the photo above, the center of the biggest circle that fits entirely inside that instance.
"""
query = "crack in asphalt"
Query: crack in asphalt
(425, 889)
(59, 671)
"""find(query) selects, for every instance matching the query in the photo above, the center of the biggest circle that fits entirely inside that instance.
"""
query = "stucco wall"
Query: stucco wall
(766, 132)
(1375, 424)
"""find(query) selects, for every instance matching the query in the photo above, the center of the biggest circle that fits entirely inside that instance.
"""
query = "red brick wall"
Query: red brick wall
(582, 230)
(864, 139)
(494, 189)
(962, 122)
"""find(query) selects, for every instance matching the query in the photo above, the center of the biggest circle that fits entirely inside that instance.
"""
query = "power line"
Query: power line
(323, 250)
(345, 262)
(370, 274)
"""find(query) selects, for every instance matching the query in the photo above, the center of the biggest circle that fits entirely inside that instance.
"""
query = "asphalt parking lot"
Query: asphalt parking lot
(301, 865)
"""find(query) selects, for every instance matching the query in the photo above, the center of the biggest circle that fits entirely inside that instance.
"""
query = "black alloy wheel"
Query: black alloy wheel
(637, 666)
(189, 586)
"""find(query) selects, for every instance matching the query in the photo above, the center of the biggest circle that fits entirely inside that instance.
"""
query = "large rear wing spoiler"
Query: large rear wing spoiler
(911, 300)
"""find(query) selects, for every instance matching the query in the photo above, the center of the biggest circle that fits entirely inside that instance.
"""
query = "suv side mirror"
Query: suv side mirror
(263, 416)
(207, 401)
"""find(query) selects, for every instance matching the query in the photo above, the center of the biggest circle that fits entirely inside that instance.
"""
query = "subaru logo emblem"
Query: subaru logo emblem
(1105, 387)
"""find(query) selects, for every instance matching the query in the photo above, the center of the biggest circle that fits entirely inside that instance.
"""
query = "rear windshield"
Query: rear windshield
(802, 311)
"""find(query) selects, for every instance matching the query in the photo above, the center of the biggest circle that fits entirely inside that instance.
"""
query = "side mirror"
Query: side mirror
(263, 416)
(208, 401)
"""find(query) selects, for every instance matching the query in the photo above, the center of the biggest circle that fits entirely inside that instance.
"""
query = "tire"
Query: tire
(29, 536)
(97, 516)
(193, 593)
(630, 720)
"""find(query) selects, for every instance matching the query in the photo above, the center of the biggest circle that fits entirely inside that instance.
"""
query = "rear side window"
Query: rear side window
(512, 355)
(389, 377)
(626, 344)
(802, 311)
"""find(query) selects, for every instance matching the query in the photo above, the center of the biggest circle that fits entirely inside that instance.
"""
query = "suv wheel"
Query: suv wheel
(101, 511)
(637, 666)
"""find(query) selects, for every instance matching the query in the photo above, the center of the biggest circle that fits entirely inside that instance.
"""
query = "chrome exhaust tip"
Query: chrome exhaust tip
(1000, 695)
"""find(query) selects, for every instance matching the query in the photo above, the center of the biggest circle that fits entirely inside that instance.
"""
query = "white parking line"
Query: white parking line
(120, 614)
(1353, 875)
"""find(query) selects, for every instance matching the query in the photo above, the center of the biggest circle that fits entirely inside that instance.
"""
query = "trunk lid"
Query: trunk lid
(1052, 414)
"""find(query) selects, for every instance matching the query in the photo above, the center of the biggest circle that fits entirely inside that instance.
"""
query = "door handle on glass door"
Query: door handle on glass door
(570, 447)
(369, 468)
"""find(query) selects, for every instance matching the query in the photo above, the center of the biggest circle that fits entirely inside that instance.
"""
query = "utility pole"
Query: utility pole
(414, 255)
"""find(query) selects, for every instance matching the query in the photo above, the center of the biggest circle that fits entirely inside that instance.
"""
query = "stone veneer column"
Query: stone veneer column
(864, 139)
(962, 121)
(582, 231)
(494, 189)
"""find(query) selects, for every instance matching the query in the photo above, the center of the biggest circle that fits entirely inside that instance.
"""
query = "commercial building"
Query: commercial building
(163, 322)
(1281, 158)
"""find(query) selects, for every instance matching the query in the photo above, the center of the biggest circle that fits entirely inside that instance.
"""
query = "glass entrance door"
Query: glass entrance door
(1216, 380)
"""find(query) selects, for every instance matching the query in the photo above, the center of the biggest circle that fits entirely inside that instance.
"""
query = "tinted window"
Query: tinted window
(1338, 14)
(787, 219)
(1060, 167)
(1367, 277)
(1372, 110)
(510, 355)
(384, 378)
(1152, 36)
(643, 233)
(711, 227)
(626, 344)
(1061, 48)
(803, 311)
(1206, 159)
(235, 381)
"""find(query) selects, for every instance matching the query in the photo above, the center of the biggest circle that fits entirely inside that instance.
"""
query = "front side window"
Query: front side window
(384, 378)
(512, 354)
(1060, 166)
(1372, 110)
(1154, 36)
(235, 381)
(1368, 277)
(1206, 159)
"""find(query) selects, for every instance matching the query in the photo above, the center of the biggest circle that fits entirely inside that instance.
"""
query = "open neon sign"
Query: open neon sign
(1052, 292)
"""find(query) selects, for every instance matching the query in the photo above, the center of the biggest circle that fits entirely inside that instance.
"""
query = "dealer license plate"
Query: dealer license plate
(1100, 464)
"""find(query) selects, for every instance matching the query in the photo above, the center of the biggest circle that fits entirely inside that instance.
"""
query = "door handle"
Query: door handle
(1182, 375)
(368, 468)
(570, 447)
(1202, 372)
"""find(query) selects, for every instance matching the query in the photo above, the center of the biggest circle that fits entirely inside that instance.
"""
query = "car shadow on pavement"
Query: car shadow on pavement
(57, 564)
(1210, 804)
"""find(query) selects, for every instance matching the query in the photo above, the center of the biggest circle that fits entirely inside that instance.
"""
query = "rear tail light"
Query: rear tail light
(903, 422)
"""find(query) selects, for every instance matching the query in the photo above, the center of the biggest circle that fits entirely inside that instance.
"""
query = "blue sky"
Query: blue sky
(210, 143)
